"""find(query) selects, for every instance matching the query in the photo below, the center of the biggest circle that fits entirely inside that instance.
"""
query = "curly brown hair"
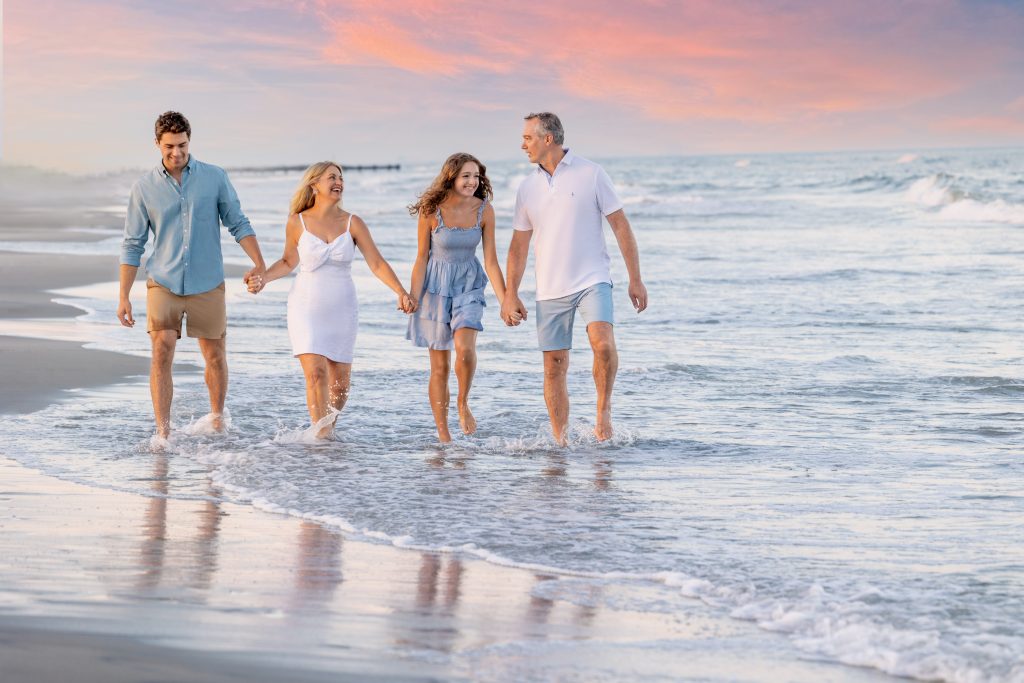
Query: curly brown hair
(172, 122)
(445, 181)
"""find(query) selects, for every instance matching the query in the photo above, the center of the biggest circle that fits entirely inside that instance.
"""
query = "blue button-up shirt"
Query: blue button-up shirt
(185, 220)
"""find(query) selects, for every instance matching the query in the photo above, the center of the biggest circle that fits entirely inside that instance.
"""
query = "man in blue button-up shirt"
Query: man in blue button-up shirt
(183, 202)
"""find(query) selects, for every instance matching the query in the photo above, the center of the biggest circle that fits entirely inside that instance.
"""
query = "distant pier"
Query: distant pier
(299, 169)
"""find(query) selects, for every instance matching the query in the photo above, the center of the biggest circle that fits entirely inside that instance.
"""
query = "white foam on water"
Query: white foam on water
(942, 193)
(207, 425)
(935, 190)
(995, 211)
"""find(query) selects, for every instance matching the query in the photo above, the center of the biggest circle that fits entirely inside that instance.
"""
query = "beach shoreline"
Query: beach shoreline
(134, 587)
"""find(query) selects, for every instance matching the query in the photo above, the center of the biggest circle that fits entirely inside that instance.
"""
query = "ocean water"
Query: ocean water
(819, 418)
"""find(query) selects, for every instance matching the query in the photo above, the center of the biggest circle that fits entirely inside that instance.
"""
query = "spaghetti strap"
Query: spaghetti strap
(348, 226)
(303, 221)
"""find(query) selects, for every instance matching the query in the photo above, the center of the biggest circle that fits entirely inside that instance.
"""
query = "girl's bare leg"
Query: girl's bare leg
(465, 368)
(440, 366)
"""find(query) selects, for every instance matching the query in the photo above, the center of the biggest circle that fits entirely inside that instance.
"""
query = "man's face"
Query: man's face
(534, 143)
(174, 150)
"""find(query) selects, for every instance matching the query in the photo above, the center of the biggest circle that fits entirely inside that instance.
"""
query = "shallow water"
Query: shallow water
(818, 419)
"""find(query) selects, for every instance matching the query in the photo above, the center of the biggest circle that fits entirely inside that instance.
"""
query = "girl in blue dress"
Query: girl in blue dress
(455, 215)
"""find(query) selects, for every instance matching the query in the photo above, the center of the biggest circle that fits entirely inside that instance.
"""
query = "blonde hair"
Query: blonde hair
(445, 181)
(304, 196)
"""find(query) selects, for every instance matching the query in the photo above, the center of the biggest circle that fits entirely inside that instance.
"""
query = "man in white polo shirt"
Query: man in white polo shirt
(562, 204)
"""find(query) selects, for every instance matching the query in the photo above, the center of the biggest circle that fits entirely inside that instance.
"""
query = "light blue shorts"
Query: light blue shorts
(556, 316)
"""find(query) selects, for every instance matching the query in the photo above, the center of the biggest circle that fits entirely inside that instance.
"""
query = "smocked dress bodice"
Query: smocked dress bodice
(453, 287)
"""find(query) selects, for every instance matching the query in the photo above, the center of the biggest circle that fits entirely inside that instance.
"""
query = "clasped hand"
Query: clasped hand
(513, 312)
(406, 304)
(255, 280)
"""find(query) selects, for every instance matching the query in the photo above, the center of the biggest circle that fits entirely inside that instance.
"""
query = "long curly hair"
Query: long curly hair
(303, 197)
(445, 181)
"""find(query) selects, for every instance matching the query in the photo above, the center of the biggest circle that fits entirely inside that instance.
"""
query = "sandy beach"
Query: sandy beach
(101, 585)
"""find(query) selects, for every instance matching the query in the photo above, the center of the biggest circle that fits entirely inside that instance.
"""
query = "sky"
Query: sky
(376, 81)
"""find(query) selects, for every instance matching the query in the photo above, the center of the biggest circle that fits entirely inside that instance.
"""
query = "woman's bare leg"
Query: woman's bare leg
(314, 367)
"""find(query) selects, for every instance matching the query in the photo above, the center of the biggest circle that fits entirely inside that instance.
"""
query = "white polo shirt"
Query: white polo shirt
(566, 213)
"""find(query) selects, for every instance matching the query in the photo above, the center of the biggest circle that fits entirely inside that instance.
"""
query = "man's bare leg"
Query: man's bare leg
(161, 384)
(437, 391)
(465, 368)
(216, 357)
(606, 365)
(556, 393)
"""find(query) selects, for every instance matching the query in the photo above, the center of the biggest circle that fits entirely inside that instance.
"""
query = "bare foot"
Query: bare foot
(603, 428)
(560, 435)
(325, 425)
(159, 443)
(443, 435)
(466, 419)
(217, 422)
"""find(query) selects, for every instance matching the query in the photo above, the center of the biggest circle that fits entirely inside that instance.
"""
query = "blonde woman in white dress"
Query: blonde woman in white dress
(321, 238)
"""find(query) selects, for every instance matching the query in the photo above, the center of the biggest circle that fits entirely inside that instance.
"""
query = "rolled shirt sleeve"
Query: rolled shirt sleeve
(230, 210)
(185, 219)
(136, 229)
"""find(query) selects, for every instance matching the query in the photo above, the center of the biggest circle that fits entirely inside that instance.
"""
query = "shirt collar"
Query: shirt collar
(567, 159)
(190, 166)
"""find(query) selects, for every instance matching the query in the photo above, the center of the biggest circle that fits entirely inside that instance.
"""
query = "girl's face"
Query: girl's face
(468, 180)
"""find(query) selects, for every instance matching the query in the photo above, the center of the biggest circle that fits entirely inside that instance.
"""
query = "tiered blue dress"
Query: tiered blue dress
(453, 292)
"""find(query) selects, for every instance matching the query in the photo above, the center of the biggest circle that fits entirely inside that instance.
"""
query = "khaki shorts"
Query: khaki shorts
(206, 313)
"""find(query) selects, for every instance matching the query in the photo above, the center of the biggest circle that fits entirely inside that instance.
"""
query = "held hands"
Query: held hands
(255, 280)
(513, 312)
(406, 304)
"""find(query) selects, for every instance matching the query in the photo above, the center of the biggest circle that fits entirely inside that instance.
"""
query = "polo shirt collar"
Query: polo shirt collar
(567, 160)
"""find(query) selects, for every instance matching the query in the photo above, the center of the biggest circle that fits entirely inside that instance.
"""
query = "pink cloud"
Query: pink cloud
(97, 44)
(698, 59)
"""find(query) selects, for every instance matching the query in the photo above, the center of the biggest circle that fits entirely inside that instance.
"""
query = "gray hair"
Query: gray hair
(548, 124)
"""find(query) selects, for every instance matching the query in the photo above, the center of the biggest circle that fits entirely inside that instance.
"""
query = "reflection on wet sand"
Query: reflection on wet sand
(193, 561)
(154, 530)
(432, 624)
(317, 568)
(581, 613)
